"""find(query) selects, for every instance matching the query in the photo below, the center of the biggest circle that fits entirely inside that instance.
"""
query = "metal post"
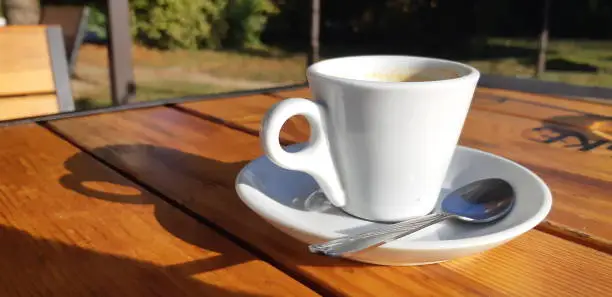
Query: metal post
(120, 51)
(315, 21)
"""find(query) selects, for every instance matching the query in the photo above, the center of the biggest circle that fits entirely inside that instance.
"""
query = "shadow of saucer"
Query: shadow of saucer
(95, 184)
(190, 175)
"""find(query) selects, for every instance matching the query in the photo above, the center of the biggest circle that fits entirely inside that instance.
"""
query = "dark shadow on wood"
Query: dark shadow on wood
(168, 217)
(61, 269)
(576, 132)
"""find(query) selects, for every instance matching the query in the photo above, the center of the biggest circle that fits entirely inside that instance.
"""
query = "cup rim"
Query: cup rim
(472, 73)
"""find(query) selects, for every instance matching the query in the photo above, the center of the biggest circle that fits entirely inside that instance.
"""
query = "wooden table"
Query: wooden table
(142, 203)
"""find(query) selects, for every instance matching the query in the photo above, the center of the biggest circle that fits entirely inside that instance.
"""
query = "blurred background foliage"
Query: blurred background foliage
(220, 45)
(189, 24)
(199, 24)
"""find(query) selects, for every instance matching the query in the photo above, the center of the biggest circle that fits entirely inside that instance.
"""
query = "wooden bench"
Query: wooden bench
(34, 78)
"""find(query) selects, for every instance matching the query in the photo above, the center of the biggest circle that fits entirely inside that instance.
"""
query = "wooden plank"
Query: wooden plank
(70, 226)
(300, 93)
(195, 162)
(512, 102)
(583, 124)
(580, 180)
(248, 115)
(27, 106)
(25, 60)
(560, 102)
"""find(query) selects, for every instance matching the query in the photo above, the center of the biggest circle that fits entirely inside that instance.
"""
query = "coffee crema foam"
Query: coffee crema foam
(417, 75)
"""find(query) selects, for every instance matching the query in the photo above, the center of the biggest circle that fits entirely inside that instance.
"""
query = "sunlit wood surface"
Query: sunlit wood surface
(142, 203)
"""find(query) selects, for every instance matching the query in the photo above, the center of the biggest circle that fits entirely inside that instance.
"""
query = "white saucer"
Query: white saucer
(281, 197)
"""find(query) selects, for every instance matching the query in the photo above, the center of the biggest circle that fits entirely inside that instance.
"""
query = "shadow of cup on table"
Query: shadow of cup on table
(192, 176)
(91, 183)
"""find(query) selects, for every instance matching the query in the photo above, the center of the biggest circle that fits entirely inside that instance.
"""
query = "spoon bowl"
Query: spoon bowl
(481, 201)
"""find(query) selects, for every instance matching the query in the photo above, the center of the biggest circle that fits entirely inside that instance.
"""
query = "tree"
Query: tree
(21, 12)
(541, 67)
(315, 21)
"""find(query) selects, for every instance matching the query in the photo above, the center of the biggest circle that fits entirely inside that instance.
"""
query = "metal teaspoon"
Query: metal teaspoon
(482, 201)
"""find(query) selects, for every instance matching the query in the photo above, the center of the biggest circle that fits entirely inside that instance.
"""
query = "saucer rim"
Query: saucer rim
(470, 242)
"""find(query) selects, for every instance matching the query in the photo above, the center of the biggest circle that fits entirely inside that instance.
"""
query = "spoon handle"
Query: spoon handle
(385, 229)
(347, 245)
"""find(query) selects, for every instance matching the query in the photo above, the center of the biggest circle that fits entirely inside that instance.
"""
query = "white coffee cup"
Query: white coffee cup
(379, 148)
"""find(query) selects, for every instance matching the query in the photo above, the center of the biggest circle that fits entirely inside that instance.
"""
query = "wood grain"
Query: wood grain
(27, 106)
(512, 102)
(249, 114)
(579, 119)
(300, 93)
(25, 61)
(195, 162)
(559, 102)
(580, 180)
(70, 226)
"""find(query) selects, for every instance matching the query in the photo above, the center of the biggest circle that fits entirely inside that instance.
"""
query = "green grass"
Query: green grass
(235, 69)
(147, 92)
(581, 62)
(272, 65)
(168, 89)
(237, 65)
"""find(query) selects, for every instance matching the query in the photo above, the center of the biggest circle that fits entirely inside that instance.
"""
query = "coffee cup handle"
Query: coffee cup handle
(315, 159)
